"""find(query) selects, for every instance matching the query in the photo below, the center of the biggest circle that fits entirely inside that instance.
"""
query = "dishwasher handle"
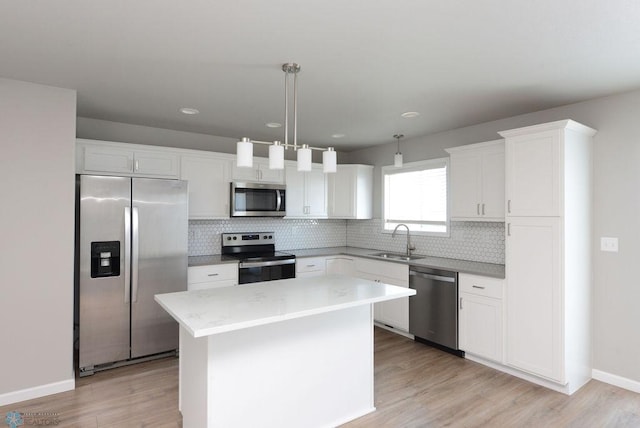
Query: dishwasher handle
(431, 276)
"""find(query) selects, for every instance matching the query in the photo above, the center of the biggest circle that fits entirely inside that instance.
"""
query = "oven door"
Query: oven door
(257, 200)
(266, 271)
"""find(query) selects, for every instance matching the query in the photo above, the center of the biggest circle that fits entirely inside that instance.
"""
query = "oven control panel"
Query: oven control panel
(254, 238)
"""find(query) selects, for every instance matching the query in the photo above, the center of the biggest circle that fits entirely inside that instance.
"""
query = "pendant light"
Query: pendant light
(397, 159)
(244, 147)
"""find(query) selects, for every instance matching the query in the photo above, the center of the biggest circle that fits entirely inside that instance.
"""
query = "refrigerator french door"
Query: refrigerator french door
(132, 245)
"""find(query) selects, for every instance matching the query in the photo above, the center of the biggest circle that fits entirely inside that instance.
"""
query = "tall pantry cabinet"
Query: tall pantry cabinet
(548, 252)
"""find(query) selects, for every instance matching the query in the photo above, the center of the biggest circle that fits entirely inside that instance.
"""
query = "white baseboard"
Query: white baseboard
(37, 392)
(615, 380)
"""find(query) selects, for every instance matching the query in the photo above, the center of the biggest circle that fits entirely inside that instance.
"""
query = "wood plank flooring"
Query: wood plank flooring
(415, 385)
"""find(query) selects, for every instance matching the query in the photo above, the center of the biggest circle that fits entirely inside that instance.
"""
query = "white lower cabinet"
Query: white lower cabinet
(393, 313)
(307, 267)
(480, 316)
(212, 276)
(340, 265)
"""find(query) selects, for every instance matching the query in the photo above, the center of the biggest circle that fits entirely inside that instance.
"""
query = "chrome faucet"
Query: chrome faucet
(410, 247)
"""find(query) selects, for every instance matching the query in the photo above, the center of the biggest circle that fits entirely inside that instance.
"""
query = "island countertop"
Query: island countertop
(220, 310)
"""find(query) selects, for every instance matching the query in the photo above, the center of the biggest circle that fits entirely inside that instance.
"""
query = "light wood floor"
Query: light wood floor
(416, 386)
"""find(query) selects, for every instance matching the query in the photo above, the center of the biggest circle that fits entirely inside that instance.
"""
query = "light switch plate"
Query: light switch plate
(609, 244)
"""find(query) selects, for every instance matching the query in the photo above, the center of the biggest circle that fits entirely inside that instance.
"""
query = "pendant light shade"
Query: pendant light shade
(397, 159)
(329, 160)
(244, 151)
(304, 158)
(276, 155)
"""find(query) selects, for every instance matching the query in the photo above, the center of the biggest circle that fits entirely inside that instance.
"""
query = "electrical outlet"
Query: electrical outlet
(609, 244)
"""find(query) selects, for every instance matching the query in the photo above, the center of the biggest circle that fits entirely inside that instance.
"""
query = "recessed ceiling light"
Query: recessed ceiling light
(410, 114)
(189, 110)
(338, 135)
(273, 125)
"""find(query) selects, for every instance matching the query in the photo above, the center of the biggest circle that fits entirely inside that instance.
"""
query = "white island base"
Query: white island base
(290, 353)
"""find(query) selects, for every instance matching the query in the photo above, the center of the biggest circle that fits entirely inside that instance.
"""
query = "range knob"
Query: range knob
(270, 237)
(235, 237)
(228, 238)
(264, 237)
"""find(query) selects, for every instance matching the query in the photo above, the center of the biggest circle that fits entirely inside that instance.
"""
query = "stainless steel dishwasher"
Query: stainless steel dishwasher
(433, 311)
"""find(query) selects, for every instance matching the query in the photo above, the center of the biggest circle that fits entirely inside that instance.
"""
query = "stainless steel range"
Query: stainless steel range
(257, 257)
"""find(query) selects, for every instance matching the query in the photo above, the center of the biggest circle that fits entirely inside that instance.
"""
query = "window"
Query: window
(416, 195)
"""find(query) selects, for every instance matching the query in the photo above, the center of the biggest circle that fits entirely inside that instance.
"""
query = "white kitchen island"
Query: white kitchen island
(288, 353)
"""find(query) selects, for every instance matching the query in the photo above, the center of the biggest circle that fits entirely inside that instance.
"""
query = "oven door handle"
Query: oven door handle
(263, 264)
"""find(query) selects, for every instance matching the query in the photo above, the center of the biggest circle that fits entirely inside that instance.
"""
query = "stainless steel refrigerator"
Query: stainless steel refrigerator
(132, 244)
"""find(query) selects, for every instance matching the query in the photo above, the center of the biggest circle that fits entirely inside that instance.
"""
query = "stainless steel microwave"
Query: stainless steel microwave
(257, 199)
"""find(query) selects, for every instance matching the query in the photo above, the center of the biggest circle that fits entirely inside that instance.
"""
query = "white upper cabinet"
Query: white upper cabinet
(110, 158)
(350, 192)
(208, 177)
(260, 172)
(477, 181)
(306, 192)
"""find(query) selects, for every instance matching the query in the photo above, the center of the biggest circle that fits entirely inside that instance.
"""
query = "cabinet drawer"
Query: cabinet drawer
(481, 285)
(222, 272)
(212, 284)
(310, 264)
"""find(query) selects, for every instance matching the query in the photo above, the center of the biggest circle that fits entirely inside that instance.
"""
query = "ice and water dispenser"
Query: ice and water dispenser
(105, 259)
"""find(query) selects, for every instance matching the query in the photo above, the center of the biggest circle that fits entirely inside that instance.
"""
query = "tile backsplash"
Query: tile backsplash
(469, 240)
(290, 234)
(476, 241)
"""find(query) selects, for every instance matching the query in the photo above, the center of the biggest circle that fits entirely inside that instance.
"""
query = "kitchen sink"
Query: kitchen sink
(396, 256)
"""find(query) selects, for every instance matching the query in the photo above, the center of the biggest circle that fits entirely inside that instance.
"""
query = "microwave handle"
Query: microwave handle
(278, 200)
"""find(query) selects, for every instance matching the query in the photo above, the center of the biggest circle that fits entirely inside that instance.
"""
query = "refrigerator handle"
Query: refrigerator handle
(127, 254)
(134, 255)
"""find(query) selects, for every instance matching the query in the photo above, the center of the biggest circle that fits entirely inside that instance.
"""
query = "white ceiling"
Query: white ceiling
(364, 62)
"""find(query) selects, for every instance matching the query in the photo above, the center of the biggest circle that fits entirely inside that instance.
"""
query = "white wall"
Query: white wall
(95, 129)
(616, 211)
(37, 136)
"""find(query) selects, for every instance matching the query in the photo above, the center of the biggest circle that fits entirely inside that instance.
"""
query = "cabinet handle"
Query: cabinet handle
(509, 206)
(477, 286)
(135, 165)
(508, 229)
(311, 265)
(212, 274)
(478, 209)
(482, 209)
(461, 303)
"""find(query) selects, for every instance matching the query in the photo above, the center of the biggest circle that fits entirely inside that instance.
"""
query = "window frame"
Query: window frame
(417, 166)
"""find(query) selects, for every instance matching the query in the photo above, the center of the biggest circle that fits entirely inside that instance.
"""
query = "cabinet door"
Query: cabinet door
(340, 266)
(316, 192)
(208, 186)
(480, 326)
(243, 173)
(533, 174)
(341, 193)
(152, 164)
(466, 185)
(534, 296)
(108, 159)
(493, 166)
(270, 175)
(295, 192)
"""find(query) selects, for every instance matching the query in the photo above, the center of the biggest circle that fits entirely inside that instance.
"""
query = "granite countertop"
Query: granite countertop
(462, 266)
(219, 310)
(216, 259)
